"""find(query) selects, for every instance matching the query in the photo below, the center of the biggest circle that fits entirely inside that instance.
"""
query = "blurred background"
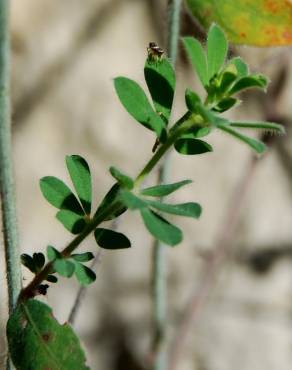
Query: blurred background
(235, 263)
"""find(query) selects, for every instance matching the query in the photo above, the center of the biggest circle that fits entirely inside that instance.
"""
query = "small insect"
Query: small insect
(155, 52)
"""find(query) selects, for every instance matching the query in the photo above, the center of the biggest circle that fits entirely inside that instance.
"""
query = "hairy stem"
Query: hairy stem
(159, 266)
(7, 191)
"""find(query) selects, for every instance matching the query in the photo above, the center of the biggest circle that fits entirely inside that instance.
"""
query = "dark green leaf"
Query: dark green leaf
(122, 179)
(28, 262)
(217, 48)
(83, 257)
(84, 274)
(192, 146)
(160, 79)
(63, 267)
(226, 104)
(52, 279)
(53, 253)
(227, 80)
(59, 195)
(160, 228)
(248, 82)
(37, 341)
(192, 100)
(163, 190)
(136, 103)
(71, 221)
(198, 58)
(39, 260)
(269, 126)
(257, 145)
(113, 195)
(109, 239)
(184, 209)
(80, 175)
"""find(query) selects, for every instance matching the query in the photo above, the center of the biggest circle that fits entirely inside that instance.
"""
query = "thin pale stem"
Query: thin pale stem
(7, 190)
(174, 28)
(159, 266)
(82, 291)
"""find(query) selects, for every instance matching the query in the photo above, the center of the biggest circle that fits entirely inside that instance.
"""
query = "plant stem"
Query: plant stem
(7, 191)
(180, 127)
(159, 266)
(174, 28)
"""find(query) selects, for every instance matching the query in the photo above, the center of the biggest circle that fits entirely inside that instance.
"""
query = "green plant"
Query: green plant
(31, 326)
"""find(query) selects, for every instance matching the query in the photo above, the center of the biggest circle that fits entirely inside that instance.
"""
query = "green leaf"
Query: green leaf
(241, 67)
(52, 279)
(248, 82)
(160, 79)
(206, 114)
(28, 262)
(59, 195)
(53, 253)
(83, 257)
(39, 260)
(131, 201)
(136, 103)
(80, 175)
(192, 99)
(269, 126)
(226, 104)
(63, 267)
(257, 145)
(122, 179)
(217, 48)
(197, 57)
(196, 132)
(37, 341)
(84, 274)
(190, 209)
(163, 190)
(160, 228)
(113, 195)
(109, 239)
(227, 80)
(188, 146)
(71, 221)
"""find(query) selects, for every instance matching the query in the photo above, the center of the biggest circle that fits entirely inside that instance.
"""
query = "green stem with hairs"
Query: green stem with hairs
(7, 190)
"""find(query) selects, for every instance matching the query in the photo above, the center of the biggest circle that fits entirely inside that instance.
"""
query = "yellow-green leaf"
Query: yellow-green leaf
(251, 22)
